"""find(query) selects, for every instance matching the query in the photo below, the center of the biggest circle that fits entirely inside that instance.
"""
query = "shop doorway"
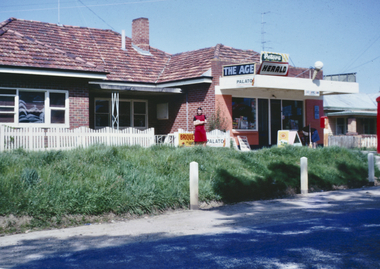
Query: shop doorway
(275, 119)
(275, 115)
(263, 124)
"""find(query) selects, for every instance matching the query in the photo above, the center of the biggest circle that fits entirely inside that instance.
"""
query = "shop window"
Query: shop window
(292, 112)
(132, 113)
(341, 126)
(244, 113)
(33, 107)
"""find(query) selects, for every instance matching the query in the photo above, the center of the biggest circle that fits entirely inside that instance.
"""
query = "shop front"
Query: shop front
(258, 106)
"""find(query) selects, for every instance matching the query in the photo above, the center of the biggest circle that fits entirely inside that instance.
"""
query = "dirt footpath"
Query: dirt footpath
(209, 221)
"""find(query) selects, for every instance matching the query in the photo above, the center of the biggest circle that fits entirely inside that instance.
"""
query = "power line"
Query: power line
(370, 45)
(92, 37)
(99, 5)
(367, 62)
(96, 15)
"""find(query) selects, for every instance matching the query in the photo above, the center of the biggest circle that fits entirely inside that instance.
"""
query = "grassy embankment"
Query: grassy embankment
(63, 188)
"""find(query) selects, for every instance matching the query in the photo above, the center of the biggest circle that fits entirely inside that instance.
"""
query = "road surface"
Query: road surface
(339, 229)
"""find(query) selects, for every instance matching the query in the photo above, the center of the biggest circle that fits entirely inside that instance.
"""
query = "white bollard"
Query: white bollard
(304, 176)
(193, 186)
(371, 168)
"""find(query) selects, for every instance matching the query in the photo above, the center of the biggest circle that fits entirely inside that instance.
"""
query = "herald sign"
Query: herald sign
(273, 68)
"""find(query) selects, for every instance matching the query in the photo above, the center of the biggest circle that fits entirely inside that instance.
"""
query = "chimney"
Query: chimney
(140, 33)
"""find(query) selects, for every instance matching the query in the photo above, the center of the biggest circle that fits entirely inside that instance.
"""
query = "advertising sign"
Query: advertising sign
(283, 138)
(267, 56)
(185, 139)
(286, 137)
(239, 70)
(216, 141)
(274, 69)
(215, 138)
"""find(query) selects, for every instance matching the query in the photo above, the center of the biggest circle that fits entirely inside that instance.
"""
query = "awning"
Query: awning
(287, 83)
(133, 88)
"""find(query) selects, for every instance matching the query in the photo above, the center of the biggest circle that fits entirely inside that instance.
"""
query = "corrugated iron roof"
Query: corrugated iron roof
(357, 101)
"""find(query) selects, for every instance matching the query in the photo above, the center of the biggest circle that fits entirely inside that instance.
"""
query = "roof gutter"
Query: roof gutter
(153, 86)
(55, 73)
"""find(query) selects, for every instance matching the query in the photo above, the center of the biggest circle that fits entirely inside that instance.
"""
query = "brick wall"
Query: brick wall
(201, 95)
(310, 116)
(78, 93)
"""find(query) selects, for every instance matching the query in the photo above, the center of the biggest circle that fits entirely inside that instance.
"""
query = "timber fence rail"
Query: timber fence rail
(362, 141)
(32, 138)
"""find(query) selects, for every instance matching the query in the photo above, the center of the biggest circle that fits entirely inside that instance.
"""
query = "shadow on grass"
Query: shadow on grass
(281, 179)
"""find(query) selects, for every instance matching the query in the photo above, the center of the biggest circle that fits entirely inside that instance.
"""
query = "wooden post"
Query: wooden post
(193, 186)
(371, 168)
(304, 176)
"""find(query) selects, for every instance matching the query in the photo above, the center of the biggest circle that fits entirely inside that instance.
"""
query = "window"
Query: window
(244, 113)
(292, 112)
(7, 106)
(25, 107)
(341, 126)
(132, 113)
(369, 126)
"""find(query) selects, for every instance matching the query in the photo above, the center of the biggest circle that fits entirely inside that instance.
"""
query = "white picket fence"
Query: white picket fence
(32, 138)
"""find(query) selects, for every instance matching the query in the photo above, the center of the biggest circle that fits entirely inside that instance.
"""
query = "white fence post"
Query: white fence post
(194, 186)
(2, 140)
(371, 168)
(304, 176)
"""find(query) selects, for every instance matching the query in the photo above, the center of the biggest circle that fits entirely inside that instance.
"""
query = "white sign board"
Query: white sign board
(312, 93)
(217, 138)
(267, 56)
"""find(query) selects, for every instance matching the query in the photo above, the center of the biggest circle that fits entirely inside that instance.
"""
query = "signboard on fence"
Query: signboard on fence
(218, 138)
(215, 138)
(286, 137)
(185, 139)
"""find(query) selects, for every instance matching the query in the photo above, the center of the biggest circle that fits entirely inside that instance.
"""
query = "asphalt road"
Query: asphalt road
(339, 229)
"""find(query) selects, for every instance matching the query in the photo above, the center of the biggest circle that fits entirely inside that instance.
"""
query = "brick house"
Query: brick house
(66, 76)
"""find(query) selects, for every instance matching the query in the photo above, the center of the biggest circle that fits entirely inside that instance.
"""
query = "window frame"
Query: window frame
(47, 109)
(256, 114)
(345, 125)
(132, 101)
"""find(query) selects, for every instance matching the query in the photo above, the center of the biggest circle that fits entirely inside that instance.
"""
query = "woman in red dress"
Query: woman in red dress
(200, 132)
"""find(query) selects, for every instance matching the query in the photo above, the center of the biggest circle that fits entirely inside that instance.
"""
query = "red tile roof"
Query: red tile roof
(44, 45)
(19, 50)
(101, 48)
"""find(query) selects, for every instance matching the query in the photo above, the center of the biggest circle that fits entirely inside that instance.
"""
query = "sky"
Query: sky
(343, 34)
